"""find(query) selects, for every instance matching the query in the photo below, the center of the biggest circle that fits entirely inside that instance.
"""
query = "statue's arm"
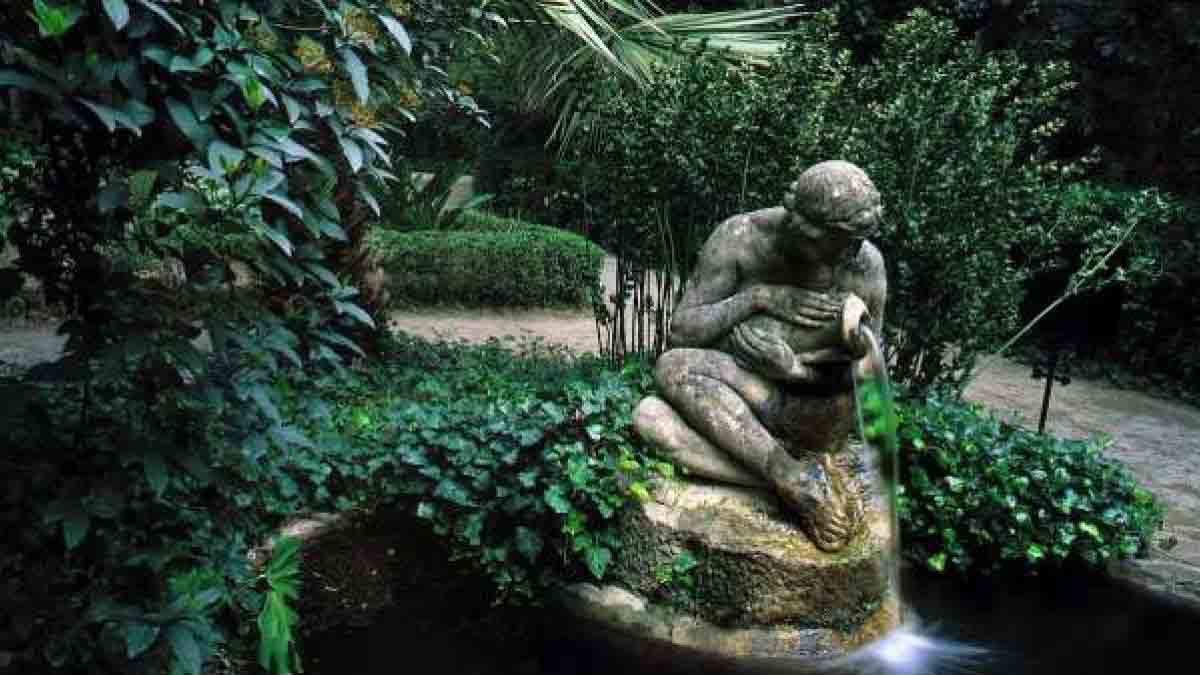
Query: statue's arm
(713, 303)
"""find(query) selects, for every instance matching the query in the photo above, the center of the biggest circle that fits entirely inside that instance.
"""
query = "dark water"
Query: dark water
(1062, 626)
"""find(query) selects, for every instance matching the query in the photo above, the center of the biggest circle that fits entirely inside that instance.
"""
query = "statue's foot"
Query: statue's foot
(830, 509)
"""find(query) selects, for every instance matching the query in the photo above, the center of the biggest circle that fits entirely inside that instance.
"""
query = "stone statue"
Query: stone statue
(756, 389)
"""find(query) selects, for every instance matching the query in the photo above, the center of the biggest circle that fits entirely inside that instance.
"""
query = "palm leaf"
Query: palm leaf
(632, 37)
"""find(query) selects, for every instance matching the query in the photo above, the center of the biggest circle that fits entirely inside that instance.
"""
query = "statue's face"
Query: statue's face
(831, 241)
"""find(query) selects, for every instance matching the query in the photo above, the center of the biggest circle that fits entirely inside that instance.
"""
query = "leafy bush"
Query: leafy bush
(491, 261)
(141, 466)
(525, 482)
(139, 542)
(521, 463)
(981, 496)
(954, 139)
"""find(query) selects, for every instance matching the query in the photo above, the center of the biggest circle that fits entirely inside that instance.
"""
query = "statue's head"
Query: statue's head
(834, 200)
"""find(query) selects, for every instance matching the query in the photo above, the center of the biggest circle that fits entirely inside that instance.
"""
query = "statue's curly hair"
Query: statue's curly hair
(836, 194)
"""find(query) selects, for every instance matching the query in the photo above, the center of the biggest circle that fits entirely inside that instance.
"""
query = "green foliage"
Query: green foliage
(424, 204)
(678, 571)
(982, 496)
(136, 556)
(277, 620)
(954, 139)
(520, 463)
(192, 137)
(489, 261)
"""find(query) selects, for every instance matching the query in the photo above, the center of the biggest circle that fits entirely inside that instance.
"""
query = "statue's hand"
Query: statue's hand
(799, 306)
(763, 353)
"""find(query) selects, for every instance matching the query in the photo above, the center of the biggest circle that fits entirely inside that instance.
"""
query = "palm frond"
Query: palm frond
(632, 37)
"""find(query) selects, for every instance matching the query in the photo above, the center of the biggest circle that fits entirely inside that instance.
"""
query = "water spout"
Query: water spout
(910, 649)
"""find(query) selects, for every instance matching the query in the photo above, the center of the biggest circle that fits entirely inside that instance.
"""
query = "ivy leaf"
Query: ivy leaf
(75, 524)
(156, 472)
(597, 558)
(358, 74)
(118, 11)
(452, 492)
(139, 636)
(937, 562)
(398, 33)
(529, 543)
(556, 500)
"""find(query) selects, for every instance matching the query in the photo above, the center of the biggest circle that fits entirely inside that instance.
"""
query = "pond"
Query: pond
(1060, 626)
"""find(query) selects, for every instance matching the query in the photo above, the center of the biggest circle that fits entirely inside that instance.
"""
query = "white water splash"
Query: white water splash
(912, 650)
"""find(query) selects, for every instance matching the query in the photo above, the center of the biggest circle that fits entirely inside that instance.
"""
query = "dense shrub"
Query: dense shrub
(982, 496)
(519, 461)
(490, 261)
(140, 466)
(953, 138)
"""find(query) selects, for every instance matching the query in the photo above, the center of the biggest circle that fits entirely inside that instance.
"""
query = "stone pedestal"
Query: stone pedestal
(759, 586)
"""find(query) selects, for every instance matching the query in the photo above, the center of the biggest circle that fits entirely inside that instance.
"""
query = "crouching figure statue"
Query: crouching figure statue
(757, 386)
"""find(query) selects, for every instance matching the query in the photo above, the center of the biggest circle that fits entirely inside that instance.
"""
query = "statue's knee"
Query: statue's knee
(669, 371)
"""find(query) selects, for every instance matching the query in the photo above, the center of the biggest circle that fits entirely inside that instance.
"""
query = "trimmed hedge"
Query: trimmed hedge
(490, 261)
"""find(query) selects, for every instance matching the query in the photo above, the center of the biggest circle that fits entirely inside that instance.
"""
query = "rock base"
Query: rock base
(759, 587)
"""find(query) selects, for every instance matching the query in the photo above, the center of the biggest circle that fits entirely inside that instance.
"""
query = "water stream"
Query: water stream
(877, 396)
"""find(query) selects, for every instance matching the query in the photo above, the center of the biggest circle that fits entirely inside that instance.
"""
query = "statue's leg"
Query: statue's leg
(725, 404)
(722, 401)
(659, 423)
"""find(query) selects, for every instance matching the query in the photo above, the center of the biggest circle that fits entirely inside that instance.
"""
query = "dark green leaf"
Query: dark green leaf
(139, 636)
(156, 472)
(223, 157)
(281, 240)
(289, 435)
(75, 524)
(162, 14)
(358, 313)
(597, 558)
(358, 74)
(199, 133)
(452, 492)
(354, 154)
(289, 205)
(529, 543)
(556, 499)
(188, 656)
(10, 78)
(398, 33)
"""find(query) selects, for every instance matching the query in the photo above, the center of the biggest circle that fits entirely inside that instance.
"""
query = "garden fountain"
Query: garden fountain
(791, 527)
(791, 561)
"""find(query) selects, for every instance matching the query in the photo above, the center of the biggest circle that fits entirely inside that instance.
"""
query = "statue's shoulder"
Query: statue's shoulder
(745, 226)
(870, 260)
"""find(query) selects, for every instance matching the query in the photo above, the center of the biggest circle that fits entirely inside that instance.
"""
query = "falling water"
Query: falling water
(886, 451)
(909, 649)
